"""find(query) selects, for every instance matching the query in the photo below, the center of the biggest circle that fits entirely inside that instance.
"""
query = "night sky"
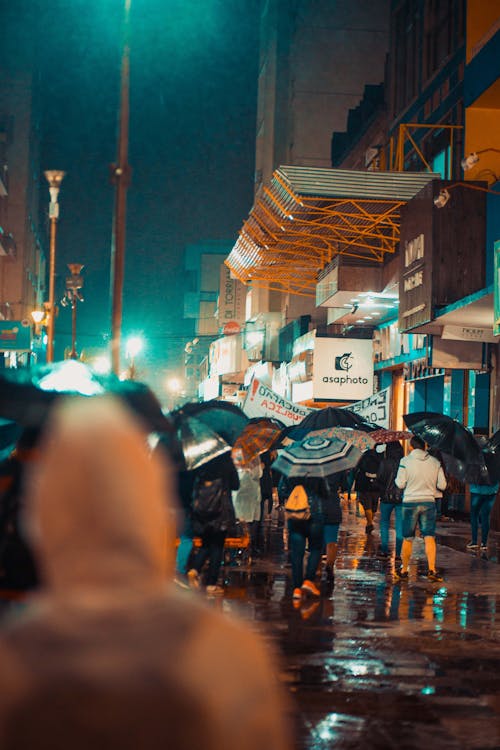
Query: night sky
(192, 142)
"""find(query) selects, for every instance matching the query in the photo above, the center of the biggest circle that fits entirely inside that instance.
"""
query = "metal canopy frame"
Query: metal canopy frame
(309, 215)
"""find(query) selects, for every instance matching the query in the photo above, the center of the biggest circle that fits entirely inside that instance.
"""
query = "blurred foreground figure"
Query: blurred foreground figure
(109, 654)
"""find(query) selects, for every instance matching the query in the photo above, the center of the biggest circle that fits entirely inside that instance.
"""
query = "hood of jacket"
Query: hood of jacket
(100, 508)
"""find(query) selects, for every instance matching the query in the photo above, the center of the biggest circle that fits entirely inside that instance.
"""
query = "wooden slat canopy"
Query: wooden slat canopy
(308, 215)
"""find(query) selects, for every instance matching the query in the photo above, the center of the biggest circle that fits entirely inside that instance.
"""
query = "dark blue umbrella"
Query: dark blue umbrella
(331, 416)
(224, 418)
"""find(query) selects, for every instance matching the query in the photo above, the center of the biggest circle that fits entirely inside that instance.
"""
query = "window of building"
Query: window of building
(405, 54)
(443, 32)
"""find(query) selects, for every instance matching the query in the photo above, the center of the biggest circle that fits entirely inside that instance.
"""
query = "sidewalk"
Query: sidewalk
(380, 664)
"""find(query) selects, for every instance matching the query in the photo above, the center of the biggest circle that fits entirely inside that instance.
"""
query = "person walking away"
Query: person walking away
(301, 532)
(390, 498)
(213, 516)
(419, 474)
(482, 500)
(110, 653)
(441, 502)
(332, 518)
(365, 480)
(247, 499)
(17, 566)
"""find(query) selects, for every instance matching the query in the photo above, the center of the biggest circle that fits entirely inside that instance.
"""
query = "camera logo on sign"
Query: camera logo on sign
(344, 362)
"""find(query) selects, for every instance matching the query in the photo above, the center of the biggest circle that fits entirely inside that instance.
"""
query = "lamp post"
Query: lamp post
(72, 296)
(120, 176)
(54, 178)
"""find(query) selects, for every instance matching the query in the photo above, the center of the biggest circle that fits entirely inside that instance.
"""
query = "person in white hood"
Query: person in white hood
(419, 476)
(110, 653)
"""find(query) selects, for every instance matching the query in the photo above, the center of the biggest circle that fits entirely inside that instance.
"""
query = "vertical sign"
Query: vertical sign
(496, 289)
(231, 299)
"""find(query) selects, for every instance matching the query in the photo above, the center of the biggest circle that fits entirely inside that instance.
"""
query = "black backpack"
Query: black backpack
(208, 504)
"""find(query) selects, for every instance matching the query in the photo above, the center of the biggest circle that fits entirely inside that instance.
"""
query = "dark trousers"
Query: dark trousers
(298, 533)
(480, 511)
(212, 548)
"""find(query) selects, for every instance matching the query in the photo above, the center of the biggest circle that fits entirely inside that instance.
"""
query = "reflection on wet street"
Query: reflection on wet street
(376, 663)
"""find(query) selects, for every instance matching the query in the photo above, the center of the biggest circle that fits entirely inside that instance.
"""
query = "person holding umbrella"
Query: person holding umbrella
(482, 500)
(390, 497)
(419, 474)
(308, 531)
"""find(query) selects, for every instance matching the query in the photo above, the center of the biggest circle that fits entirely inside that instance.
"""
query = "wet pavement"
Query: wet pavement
(381, 664)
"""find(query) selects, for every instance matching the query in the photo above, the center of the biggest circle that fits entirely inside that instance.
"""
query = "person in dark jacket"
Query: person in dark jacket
(367, 486)
(218, 477)
(332, 518)
(390, 498)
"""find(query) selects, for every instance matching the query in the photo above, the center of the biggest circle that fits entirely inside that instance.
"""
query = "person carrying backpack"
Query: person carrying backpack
(367, 486)
(213, 516)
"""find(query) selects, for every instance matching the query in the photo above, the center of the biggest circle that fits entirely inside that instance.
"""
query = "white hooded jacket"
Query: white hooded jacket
(420, 476)
(110, 654)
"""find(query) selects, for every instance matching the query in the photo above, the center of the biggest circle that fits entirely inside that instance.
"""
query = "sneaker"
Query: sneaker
(310, 588)
(432, 575)
(400, 574)
(369, 528)
(193, 578)
(484, 548)
(297, 594)
(215, 591)
(472, 545)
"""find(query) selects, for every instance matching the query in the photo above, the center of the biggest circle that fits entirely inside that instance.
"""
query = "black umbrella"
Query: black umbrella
(462, 454)
(198, 444)
(491, 453)
(27, 394)
(331, 416)
(224, 418)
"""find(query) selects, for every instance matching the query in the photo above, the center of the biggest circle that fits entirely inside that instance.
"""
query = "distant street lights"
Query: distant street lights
(54, 178)
(134, 345)
(71, 297)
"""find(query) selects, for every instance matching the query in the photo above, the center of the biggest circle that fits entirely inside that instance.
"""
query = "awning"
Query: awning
(469, 319)
(308, 215)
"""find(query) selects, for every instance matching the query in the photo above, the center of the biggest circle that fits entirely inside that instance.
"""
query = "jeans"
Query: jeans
(298, 533)
(480, 511)
(212, 547)
(385, 520)
(422, 515)
(185, 546)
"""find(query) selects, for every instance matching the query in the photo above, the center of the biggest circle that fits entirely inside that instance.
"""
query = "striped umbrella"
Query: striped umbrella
(316, 457)
(256, 438)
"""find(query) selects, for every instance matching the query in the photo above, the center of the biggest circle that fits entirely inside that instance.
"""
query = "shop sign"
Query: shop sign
(262, 401)
(343, 369)
(415, 288)
(496, 287)
(15, 335)
(231, 299)
(375, 409)
(468, 333)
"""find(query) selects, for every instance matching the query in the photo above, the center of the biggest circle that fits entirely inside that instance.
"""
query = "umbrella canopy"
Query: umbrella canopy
(226, 419)
(389, 436)
(199, 444)
(363, 441)
(256, 438)
(329, 417)
(26, 395)
(446, 434)
(316, 457)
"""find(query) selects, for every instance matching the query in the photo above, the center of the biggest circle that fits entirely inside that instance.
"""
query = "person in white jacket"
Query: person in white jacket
(419, 476)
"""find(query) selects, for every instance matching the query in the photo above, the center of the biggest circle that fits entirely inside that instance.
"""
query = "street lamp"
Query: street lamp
(54, 177)
(134, 346)
(71, 297)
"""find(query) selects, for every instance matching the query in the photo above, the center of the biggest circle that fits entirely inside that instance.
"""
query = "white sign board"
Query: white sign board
(343, 369)
(262, 401)
(376, 408)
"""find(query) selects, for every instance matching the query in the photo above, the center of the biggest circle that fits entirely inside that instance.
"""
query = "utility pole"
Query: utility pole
(120, 176)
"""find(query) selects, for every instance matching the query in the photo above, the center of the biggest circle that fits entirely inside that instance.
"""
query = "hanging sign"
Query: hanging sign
(375, 408)
(496, 289)
(262, 401)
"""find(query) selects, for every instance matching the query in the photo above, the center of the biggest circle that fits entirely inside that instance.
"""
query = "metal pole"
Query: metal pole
(120, 175)
(52, 284)
(73, 354)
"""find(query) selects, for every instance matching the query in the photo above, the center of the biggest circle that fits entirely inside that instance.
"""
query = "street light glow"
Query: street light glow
(134, 345)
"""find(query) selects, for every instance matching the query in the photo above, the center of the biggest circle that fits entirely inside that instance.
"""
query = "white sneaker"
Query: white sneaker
(472, 545)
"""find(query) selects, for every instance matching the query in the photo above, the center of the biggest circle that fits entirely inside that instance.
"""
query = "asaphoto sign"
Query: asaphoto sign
(343, 369)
